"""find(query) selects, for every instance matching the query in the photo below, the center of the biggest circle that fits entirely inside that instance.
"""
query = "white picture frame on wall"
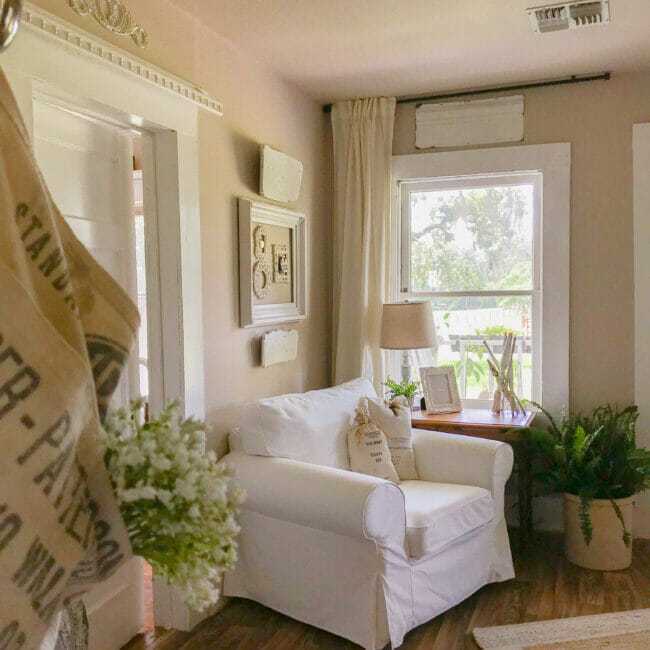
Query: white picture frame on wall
(440, 389)
(252, 215)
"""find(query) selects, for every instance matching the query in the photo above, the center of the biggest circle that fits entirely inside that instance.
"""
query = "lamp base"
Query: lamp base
(406, 367)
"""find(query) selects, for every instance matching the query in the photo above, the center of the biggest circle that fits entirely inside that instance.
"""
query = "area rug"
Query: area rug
(617, 631)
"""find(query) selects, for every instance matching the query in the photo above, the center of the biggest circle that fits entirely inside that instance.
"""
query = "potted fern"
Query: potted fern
(594, 461)
(406, 387)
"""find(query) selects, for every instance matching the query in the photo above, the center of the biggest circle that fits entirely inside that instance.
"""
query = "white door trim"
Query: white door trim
(641, 184)
(37, 62)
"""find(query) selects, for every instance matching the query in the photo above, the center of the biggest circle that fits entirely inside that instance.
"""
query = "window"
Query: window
(471, 245)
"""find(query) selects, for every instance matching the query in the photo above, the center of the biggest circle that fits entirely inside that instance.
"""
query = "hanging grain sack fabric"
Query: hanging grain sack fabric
(368, 447)
(65, 332)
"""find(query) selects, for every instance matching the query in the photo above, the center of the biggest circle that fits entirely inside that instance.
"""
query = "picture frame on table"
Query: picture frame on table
(272, 264)
(440, 389)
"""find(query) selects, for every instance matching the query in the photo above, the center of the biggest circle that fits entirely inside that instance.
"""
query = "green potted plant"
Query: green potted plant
(594, 461)
(406, 387)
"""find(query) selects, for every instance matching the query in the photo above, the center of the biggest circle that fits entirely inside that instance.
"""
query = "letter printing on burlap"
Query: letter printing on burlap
(65, 332)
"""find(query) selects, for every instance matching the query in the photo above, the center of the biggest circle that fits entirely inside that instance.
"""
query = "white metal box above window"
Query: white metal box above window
(459, 124)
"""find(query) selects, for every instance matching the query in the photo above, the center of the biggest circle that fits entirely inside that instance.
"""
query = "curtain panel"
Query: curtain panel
(363, 140)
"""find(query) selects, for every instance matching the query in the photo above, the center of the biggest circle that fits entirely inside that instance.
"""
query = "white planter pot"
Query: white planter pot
(607, 551)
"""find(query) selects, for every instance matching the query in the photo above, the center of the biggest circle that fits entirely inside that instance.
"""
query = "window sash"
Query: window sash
(393, 361)
(477, 181)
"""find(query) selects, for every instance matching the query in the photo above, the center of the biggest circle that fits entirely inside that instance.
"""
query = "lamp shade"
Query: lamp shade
(407, 326)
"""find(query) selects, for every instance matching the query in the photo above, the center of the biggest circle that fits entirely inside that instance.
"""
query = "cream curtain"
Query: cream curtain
(363, 138)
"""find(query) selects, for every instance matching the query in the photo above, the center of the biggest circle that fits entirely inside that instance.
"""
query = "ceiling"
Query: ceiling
(339, 49)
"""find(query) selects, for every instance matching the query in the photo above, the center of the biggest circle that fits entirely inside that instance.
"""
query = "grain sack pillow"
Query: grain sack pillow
(367, 446)
(394, 419)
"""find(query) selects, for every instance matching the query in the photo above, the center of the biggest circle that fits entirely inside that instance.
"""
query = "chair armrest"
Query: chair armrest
(448, 458)
(325, 498)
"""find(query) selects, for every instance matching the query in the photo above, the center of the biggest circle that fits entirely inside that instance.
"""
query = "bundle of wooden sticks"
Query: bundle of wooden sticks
(503, 375)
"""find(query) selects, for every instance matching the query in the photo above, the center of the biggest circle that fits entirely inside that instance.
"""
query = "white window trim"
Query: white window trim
(641, 174)
(553, 161)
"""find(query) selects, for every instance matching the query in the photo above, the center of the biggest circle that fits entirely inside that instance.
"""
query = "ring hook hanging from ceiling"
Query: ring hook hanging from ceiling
(10, 12)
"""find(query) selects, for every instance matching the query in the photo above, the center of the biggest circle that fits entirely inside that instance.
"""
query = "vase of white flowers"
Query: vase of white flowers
(178, 503)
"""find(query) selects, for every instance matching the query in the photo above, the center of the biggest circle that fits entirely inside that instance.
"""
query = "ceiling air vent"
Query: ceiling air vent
(569, 15)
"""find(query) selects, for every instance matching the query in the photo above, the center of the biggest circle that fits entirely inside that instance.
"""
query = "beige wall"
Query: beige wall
(258, 108)
(596, 118)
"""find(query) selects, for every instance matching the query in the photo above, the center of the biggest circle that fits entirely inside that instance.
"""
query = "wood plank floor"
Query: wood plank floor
(546, 587)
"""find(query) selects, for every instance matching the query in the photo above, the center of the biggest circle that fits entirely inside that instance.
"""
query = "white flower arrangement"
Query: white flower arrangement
(178, 503)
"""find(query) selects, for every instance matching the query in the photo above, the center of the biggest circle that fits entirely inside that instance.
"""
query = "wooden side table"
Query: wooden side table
(482, 423)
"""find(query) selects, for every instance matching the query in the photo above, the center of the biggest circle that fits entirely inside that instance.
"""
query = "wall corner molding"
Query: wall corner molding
(57, 29)
(641, 216)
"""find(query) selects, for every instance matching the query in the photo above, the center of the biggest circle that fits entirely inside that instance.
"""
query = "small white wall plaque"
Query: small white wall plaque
(279, 346)
(280, 175)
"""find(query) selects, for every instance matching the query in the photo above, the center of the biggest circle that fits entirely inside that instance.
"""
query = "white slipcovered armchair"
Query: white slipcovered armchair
(353, 554)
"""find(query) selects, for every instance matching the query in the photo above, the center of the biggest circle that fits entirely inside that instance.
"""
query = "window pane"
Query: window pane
(462, 325)
(472, 239)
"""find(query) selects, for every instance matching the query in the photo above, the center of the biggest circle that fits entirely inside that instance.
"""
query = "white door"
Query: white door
(88, 167)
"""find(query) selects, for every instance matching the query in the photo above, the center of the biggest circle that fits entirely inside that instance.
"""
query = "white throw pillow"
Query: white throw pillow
(394, 419)
(311, 427)
(234, 440)
(367, 446)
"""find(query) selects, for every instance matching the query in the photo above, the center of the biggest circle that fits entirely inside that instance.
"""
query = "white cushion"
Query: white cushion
(394, 419)
(439, 513)
(311, 426)
(234, 440)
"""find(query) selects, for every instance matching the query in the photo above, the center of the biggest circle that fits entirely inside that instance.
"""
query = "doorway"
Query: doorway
(81, 72)
(94, 169)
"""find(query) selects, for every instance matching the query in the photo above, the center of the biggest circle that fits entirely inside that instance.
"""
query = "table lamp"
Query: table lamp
(407, 326)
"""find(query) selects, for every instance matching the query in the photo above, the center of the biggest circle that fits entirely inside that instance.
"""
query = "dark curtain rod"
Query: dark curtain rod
(573, 79)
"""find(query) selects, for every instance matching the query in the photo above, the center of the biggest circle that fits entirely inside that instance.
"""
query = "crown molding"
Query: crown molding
(60, 30)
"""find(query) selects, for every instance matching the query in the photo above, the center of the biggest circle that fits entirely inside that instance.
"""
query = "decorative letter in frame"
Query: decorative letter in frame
(281, 265)
(261, 279)
(260, 243)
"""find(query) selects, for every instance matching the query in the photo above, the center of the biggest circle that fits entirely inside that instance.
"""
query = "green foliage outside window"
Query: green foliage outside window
(494, 221)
